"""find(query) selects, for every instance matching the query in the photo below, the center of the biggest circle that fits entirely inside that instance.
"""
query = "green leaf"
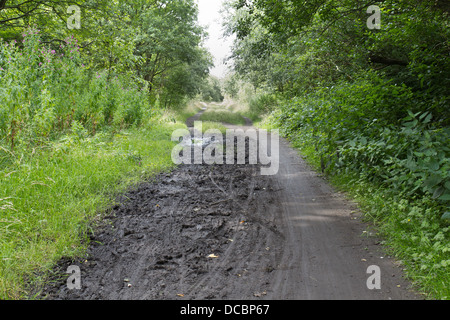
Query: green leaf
(434, 165)
(423, 115)
(446, 216)
(363, 141)
(447, 185)
(445, 197)
(432, 180)
(428, 118)
(438, 192)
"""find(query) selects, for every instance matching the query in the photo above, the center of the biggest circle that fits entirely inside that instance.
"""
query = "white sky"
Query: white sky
(218, 45)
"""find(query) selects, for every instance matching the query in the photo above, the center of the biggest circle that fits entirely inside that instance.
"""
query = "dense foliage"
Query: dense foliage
(126, 58)
(369, 104)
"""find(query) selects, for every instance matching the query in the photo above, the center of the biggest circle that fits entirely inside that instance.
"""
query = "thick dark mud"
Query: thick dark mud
(184, 235)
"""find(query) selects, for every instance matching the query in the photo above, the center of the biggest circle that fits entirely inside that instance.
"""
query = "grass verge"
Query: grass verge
(50, 198)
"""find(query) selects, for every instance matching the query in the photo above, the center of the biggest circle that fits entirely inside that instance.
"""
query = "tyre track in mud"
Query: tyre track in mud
(227, 232)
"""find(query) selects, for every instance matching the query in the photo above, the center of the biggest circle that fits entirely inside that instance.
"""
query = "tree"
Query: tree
(299, 46)
(211, 90)
(158, 43)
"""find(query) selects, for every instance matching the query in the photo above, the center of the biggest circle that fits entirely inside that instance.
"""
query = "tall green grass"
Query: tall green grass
(44, 88)
(50, 197)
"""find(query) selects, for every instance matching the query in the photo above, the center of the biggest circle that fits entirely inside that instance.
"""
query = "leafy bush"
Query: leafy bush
(42, 89)
(263, 103)
(211, 90)
(413, 158)
(355, 127)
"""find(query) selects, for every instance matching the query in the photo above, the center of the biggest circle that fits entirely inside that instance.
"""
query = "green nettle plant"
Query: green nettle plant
(410, 155)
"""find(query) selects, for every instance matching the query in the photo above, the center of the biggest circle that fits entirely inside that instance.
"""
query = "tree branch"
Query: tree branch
(2, 4)
(387, 61)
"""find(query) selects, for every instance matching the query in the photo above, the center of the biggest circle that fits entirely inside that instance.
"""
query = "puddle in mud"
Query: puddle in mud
(197, 142)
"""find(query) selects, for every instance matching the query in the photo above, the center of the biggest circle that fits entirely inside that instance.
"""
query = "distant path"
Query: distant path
(190, 121)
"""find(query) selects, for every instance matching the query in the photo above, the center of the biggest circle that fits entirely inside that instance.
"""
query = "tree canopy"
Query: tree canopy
(157, 42)
(301, 45)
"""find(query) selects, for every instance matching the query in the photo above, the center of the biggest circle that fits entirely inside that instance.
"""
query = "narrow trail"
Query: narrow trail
(227, 232)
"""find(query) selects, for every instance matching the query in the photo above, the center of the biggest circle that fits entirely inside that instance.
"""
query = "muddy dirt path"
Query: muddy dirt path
(227, 232)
